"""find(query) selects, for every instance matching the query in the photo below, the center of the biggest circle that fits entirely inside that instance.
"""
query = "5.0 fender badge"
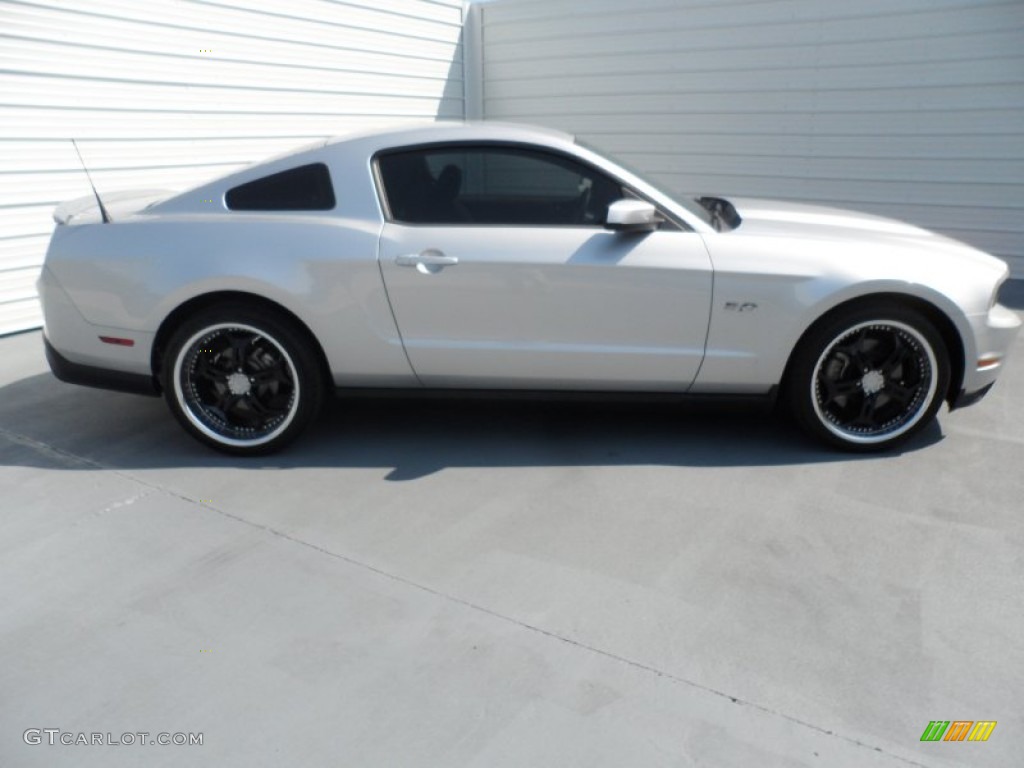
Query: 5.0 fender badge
(736, 306)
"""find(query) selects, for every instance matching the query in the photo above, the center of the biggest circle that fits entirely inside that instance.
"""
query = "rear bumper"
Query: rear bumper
(102, 378)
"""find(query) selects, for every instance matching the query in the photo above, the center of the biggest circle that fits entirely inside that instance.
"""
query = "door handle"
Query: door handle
(430, 260)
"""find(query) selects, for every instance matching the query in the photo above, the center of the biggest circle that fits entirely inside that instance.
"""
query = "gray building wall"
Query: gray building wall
(907, 108)
(166, 93)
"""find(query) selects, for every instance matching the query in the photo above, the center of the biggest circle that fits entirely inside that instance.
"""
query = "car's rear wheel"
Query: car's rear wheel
(242, 380)
(868, 378)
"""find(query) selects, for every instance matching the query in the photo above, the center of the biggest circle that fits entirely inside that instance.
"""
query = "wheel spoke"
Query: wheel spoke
(896, 358)
(837, 389)
(855, 354)
(240, 346)
(204, 370)
(866, 416)
(227, 402)
(276, 375)
(265, 410)
(900, 393)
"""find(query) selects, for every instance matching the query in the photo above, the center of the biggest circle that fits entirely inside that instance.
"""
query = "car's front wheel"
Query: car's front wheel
(242, 380)
(868, 378)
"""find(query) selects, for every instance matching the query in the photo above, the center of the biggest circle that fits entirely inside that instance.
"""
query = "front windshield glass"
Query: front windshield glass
(685, 201)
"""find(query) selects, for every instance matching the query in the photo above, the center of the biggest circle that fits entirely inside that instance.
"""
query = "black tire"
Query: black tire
(868, 378)
(242, 379)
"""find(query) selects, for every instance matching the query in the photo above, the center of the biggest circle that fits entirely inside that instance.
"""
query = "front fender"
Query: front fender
(756, 324)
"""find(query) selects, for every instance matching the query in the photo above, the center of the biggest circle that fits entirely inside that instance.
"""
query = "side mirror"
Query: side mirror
(632, 216)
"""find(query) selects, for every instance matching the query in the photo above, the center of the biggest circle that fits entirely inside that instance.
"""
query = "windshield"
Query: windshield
(690, 204)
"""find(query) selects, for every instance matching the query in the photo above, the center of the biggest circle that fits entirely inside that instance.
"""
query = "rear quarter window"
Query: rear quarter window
(306, 188)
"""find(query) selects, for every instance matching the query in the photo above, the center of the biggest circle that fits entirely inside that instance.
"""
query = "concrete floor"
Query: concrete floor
(491, 584)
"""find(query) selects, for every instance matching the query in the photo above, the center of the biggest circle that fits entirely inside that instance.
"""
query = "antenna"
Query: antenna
(103, 211)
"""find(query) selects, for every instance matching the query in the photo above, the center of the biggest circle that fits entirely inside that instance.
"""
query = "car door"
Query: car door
(500, 274)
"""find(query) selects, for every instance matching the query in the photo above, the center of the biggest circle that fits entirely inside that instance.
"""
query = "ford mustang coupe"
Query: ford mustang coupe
(489, 256)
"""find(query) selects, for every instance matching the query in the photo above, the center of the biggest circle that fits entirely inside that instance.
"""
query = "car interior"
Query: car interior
(508, 187)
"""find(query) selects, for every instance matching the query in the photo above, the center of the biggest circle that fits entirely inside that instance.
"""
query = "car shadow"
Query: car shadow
(45, 423)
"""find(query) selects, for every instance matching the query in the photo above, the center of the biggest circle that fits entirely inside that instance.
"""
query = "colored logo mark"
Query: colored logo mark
(958, 730)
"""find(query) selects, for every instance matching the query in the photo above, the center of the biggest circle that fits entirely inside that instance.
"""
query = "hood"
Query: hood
(851, 229)
(85, 210)
(784, 217)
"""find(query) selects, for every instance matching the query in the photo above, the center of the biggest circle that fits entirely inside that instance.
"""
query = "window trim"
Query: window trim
(385, 207)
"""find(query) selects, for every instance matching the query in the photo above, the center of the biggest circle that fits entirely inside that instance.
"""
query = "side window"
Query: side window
(306, 188)
(495, 185)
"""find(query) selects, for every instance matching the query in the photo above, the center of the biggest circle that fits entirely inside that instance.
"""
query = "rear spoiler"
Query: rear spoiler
(86, 210)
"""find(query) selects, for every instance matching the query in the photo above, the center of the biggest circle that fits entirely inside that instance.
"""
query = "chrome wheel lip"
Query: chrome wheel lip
(923, 401)
(186, 405)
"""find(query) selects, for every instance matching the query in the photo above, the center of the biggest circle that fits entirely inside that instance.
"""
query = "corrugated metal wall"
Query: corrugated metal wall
(908, 108)
(165, 93)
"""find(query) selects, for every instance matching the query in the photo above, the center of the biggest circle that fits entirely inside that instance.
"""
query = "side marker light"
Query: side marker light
(118, 341)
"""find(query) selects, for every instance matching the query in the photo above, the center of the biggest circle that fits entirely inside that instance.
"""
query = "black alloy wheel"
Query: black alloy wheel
(242, 381)
(867, 379)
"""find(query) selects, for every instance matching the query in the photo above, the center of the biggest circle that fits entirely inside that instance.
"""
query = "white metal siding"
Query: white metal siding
(908, 108)
(165, 93)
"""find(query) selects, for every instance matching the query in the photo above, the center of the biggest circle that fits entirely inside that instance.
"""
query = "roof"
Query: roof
(457, 130)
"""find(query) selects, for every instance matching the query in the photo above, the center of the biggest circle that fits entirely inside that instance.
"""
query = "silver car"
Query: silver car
(504, 257)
